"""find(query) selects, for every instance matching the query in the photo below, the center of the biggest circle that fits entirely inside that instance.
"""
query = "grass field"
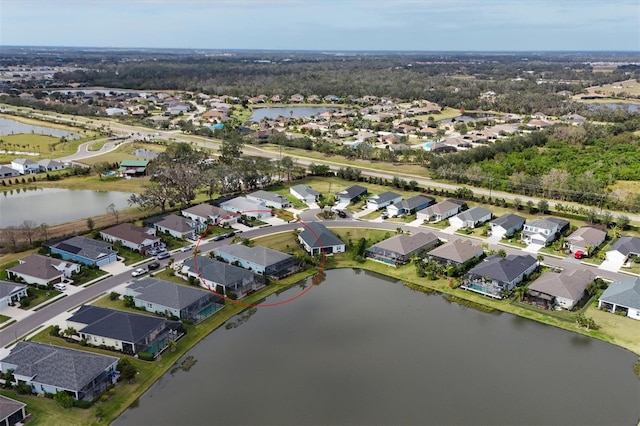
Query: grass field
(446, 113)
(630, 87)
(124, 151)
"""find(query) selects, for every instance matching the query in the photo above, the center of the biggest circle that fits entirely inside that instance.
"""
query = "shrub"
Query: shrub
(145, 356)
(82, 404)
(114, 296)
(63, 399)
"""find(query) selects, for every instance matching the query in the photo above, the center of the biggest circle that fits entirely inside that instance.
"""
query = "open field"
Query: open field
(630, 87)
(446, 113)
(124, 151)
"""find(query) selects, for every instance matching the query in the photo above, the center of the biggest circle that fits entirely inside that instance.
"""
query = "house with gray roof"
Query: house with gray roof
(24, 166)
(12, 412)
(317, 238)
(11, 293)
(471, 218)
(410, 205)
(269, 199)
(248, 207)
(42, 270)
(222, 277)
(48, 165)
(540, 231)
(351, 194)
(497, 275)
(52, 369)
(506, 225)
(440, 211)
(305, 193)
(383, 200)
(174, 300)
(8, 172)
(564, 289)
(177, 226)
(124, 331)
(585, 239)
(623, 248)
(206, 214)
(622, 296)
(85, 250)
(399, 249)
(259, 259)
(132, 237)
(456, 252)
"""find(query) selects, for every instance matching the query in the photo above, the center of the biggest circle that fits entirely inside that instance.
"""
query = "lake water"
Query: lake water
(295, 112)
(12, 127)
(56, 205)
(363, 349)
(613, 105)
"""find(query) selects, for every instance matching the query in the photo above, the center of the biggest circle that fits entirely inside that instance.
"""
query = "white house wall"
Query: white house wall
(634, 313)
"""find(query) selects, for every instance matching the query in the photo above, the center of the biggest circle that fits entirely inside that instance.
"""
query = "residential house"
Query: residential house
(42, 270)
(11, 293)
(351, 194)
(115, 111)
(623, 248)
(506, 225)
(52, 369)
(585, 239)
(50, 165)
(213, 274)
(497, 275)
(261, 260)
(622, 296)
(24, 166)
(399, 249)
(456, 252)
(305, 193)
(206, 214)
(8, 172)
(132, 237)
(247, 207)
(177, 226)
(410, 205)
(12, 412)
(383, 200)
(85, 250)
(540, 231)
(134, 168)
(563, 289)
(297, 98)
(174, 300)
(123, 331)
(471, 218)
(269, 199)
(317, 238)
(442, 210)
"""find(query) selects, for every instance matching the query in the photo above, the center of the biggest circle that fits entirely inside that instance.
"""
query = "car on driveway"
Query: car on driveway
(153, 265)
(579, 254)
(138, 272)
(60, 287)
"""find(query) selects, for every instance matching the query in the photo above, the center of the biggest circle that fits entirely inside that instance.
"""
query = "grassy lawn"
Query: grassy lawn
(95, 183)
(634, 269)
(124, 151)
(443, 224)
(354, 234)
(4, 318)
(512, 242)
(97, 146)
(403, 218)
(478, 232)
(447, 112)
(295, 203)
(130, 256)
(87, 274)
(373, 215)
(38, 296)
(3, 269)
(286, 242)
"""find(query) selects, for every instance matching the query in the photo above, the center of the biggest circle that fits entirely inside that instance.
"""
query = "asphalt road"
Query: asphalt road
(21, 328)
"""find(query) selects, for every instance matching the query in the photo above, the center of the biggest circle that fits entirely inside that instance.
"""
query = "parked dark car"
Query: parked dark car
(342, 214)
(230, 234)
(153, 265)
(218, 237)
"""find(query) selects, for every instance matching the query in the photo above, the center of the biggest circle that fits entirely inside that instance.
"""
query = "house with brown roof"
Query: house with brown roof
(563, 289)
(177, 226)
(206, 214)
(131, 236)
(585, 239)
(456, 252)
(42, 270)
(399, 249)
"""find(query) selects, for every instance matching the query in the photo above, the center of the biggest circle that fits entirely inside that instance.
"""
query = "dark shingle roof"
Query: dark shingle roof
(216, 271)
(624, 293)
(414, 202)
(474, 214)
(305, 190)
(352, 192)
(509, 221)
(8, 288)
(38, 266)
(315, 234)
(118, 325)
(166, 293)
(504, 269)
(626, 245)
(385, 197)
(56, 366)
(259, 255)
(458, 250)
(175, 223)
(406, 244)
(567, 284)
(85, 247)
(9, 406)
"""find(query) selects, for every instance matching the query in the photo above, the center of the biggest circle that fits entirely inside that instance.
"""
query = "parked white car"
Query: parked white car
(60, 287)
(138, 272)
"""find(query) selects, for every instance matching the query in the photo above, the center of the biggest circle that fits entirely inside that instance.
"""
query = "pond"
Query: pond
(54, 206)
(361, 348)
(614, 106)
(295, 112)
(13, 127)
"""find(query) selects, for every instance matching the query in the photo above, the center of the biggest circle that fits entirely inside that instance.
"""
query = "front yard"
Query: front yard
(36, 297)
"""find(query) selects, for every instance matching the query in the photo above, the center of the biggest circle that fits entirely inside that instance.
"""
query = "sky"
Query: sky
(326, 25)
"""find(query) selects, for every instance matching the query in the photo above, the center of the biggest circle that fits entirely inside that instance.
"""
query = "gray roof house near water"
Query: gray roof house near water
(85, 250)
(262, 260)
(399, 249)
(564, 289)
(212, 273)
(497, 275)
(585, 239)
(181, 301)
(317, 238)
(49, 369)
(12, 412)
(124, 331)
(456, 252)
(622, 296)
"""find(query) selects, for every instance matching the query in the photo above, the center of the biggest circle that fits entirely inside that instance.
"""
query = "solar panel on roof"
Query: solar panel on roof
(69, 248)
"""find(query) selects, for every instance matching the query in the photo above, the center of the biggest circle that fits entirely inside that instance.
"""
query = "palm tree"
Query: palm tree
(520, 292)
